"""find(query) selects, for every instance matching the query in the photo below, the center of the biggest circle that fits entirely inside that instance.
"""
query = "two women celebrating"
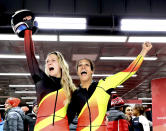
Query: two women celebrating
(58, 99)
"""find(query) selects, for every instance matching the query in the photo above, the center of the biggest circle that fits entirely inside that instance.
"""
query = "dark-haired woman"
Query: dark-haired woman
(140, 122)
(90, 101)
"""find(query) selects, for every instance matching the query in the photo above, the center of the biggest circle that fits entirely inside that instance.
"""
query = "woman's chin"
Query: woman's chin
(53, 75)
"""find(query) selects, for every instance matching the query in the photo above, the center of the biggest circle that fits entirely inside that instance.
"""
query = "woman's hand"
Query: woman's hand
(146, 47)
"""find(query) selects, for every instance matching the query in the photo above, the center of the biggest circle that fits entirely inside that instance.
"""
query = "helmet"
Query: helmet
(117, 101)
(19, 25)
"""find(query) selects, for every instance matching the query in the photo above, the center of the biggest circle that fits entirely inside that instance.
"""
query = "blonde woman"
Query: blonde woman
(53, 87)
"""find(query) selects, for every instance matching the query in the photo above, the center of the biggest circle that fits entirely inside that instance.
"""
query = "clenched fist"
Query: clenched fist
(146, 46)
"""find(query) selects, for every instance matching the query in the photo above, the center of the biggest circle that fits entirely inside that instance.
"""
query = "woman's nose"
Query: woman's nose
(83, 66)
(49, 63)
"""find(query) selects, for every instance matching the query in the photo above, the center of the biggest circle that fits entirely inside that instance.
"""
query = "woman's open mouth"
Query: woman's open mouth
(83, 72)
(51, 68)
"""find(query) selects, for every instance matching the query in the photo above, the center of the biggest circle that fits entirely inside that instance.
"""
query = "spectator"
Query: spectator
(115, 117)
(1, 123)
(148, 114)
(25, 109)
(14, 117)
(30, 118)
(129, 113)
(73, 124)
(140, 122)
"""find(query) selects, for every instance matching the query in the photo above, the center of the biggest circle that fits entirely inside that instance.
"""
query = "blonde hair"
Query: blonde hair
(66, 80)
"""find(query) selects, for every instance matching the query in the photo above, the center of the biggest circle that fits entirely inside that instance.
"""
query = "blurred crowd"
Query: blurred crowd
(18, 118)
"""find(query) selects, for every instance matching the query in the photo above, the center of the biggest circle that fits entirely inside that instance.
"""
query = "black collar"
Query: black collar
(56, 81)
(90, 90)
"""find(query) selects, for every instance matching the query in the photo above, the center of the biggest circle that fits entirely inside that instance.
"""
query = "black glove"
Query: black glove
(19, 25)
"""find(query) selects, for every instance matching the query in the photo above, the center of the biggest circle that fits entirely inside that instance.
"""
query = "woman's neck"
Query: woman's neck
(86, 84)
(138, 115)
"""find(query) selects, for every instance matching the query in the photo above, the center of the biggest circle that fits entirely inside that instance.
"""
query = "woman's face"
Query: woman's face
(52, 66)
(135, 112)
(129, 111)
(35, 109)
(7, 105)
(84, 70)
